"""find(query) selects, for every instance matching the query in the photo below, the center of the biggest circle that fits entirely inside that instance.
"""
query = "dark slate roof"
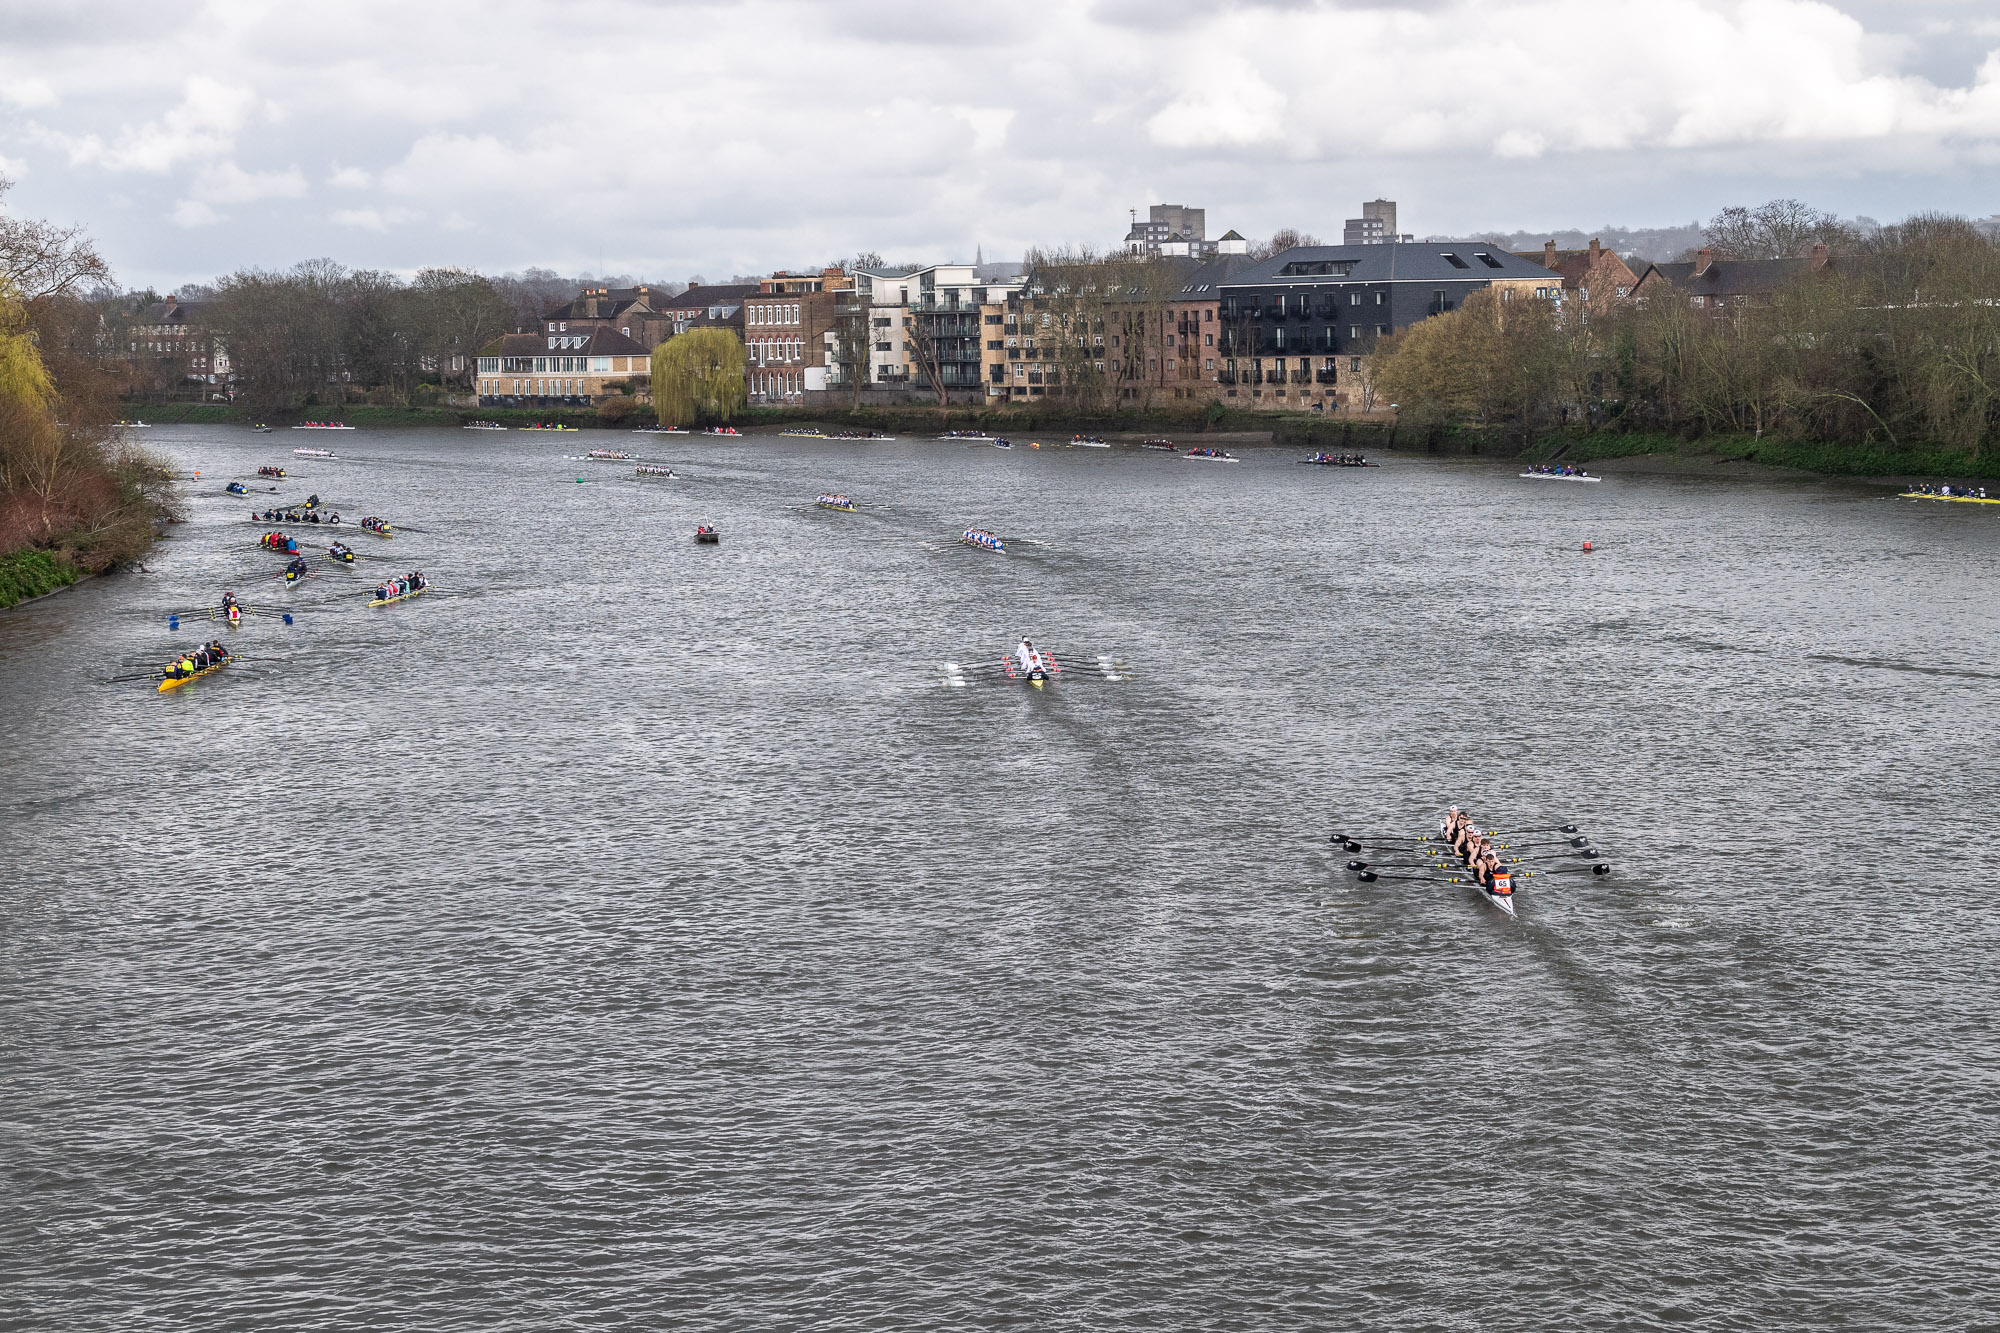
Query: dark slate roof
(169, 312)
(701, 298)
(597, 341)
(1732, 277)
(1409, 262)
(1215, 273)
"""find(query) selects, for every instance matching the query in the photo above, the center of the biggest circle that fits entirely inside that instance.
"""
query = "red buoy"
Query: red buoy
(1588, 547)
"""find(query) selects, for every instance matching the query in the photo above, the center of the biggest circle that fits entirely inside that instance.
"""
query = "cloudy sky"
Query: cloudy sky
(676, 137)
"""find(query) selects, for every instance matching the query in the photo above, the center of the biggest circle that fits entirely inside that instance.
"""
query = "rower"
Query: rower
(1031, 661)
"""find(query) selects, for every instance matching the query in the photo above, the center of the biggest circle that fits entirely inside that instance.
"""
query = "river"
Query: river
(632, 934)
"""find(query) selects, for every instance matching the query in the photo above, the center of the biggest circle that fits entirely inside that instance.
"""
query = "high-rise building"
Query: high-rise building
(1170, 229)
(1375, 226)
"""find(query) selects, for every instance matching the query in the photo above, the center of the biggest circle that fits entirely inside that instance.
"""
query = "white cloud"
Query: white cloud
(194, 213)
(227, 183)
(25, 90)
(940, 133)
(374, 219)
(204, 124)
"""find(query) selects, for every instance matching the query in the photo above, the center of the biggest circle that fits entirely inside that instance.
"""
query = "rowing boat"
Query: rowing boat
(648, 470)
(312, 453)
(983, 539)
(1557, 476)
(838, 502)
(399, 597)
(384, 531)
(1954, 499)
(1211, 456)
(175, 682)
(1503, 901)
(321, 425)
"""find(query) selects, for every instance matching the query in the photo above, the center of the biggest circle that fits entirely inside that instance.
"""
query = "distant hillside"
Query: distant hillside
(1656, 244)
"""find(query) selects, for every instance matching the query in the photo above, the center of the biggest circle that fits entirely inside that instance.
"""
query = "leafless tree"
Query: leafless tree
(42, 260)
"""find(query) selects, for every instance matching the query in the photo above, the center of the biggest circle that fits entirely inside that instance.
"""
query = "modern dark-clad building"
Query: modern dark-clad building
(1297, 328)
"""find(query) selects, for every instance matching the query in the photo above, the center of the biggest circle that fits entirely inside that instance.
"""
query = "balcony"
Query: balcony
(1326, 377)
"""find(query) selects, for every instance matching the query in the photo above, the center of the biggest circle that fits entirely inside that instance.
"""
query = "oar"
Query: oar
(1517, 832)
(1521, 846)
(1601, 868)
(1405, 865)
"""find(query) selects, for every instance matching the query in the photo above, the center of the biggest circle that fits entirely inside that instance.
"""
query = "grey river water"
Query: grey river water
(637, 935)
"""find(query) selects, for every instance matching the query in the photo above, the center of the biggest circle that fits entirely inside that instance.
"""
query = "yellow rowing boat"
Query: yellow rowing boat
(175, 682)
(1953, 499)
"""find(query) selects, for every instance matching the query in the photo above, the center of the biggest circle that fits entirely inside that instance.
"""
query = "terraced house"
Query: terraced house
(1296, 331)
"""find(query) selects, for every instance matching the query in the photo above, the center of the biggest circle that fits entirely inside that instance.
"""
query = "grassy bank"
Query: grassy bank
(1836, 460)
(27, 574)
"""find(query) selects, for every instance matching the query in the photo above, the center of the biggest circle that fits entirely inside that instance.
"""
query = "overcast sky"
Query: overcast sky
(672, 138)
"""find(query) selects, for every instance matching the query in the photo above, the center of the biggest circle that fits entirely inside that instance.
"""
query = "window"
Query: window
(1455, 261)
(1209, 340)
(1381, 298)
(1383, 330)
(1486, 259)
(1354, 331)
(1354, 365)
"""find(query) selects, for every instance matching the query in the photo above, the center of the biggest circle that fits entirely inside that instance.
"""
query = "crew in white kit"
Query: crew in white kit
(1031, 661)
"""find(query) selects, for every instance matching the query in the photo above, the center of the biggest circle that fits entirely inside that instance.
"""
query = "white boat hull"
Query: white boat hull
(1555, 476)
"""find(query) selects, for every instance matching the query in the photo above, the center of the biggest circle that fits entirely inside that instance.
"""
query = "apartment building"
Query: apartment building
(919, 330)
(1296, 330)
(1170, 230)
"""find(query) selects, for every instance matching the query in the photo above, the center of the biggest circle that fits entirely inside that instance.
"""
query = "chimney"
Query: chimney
(1548, 254)
(1702, 259)
(1818, 256)
(1595, 250)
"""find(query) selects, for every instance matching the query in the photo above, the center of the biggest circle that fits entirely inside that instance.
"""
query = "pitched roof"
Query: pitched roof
(1446, 261)
(1731, 277)
(583, 342)
(701, 298)
(1203, 281)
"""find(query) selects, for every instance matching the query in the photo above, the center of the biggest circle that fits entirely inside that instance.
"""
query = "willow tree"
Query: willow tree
(698, 375)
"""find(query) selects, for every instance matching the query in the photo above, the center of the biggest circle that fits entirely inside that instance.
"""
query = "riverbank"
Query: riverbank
(1336, 434)
(26, 575)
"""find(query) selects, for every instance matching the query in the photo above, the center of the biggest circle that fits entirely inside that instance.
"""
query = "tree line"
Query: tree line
(1895, 342)
(73, 495)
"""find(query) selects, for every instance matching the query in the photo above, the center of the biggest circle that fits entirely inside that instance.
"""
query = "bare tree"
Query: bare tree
(42, 260)
(1780, 229)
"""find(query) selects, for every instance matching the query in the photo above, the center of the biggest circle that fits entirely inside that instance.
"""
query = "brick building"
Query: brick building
(1594, 276)
(1715, 283)
(785, 330)
(633, 311)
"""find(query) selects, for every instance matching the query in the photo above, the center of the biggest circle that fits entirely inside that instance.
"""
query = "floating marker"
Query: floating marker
(173, 622)
(288, 617)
